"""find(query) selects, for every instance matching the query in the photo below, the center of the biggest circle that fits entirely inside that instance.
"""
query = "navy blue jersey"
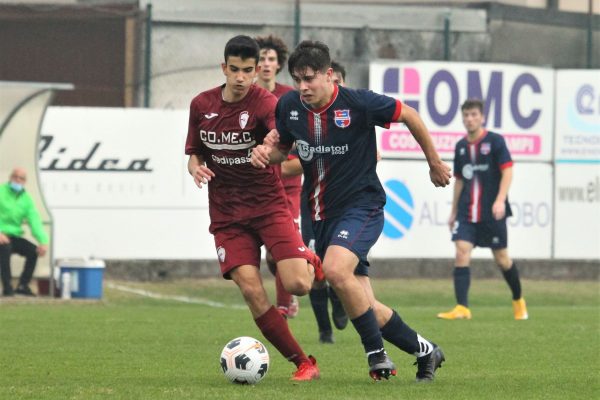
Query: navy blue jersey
(479, 164)
(337, 147)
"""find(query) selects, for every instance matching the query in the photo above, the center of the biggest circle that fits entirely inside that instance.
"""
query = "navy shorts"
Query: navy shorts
(490, 234)
(356, 230)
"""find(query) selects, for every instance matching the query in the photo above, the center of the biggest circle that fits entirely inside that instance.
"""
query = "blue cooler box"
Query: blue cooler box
(85, 276)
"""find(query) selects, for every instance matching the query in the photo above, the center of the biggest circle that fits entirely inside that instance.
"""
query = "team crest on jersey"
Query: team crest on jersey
(486, 148)
(342, 118)
(244, 119)
(221, 253)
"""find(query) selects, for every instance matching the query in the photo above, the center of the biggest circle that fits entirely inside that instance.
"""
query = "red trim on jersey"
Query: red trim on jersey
(315, 174)
(323, 183)
(480, 195)
(474, 208)
(470, 214)
(396, 115)
(506, 165)
(479, 138)
(329, 103)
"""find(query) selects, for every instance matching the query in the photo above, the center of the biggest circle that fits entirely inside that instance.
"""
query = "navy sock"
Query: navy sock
(367, 328)
(462, 281)
(400, 335)
(318, 300)
(512, 278)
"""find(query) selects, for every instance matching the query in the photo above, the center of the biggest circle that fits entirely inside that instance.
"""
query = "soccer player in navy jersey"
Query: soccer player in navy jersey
(483, 171)
(333, 128)
(273, 54)
(247, 206)
(321, 293)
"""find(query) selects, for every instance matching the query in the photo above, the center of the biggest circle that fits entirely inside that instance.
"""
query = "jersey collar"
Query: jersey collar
(326, 106)
(479, 138)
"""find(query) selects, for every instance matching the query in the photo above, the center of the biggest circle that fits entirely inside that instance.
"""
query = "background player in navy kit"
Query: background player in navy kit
(483, 170)
(247, 206)
(334, 131)
(273, 54)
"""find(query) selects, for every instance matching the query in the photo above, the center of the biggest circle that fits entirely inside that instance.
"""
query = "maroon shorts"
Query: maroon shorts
(239, 244)
(293, 203)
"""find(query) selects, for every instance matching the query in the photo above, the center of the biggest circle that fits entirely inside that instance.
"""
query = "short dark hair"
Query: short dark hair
(309, 54)
(274, 43)
(242, 46)
(338, 68)
(472, 103)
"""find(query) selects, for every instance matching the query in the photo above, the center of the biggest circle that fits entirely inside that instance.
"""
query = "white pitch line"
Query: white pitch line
(183, 299)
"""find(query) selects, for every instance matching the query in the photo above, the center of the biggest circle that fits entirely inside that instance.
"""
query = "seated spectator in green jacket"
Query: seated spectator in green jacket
(17, 208)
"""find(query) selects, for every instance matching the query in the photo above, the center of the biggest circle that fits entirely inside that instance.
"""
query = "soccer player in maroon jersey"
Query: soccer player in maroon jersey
(247, 206)
(273, 54)
(333, 128)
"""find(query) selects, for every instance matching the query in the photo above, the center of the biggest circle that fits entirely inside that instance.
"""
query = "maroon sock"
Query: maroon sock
(283, 298)
(275, 329)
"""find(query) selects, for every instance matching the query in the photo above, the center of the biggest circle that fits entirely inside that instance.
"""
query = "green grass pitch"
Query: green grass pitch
(133, 347)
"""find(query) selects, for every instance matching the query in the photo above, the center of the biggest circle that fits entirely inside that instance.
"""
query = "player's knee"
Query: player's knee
(504, 264)
(251, 293)
(334, 277)
(297, 286)
(463, 256)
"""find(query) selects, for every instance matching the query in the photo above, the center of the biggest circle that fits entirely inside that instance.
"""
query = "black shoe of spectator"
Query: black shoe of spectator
(8, 292)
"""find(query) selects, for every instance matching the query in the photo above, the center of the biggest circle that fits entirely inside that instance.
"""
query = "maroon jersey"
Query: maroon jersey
(292, 184)
(224, 134)
(280, 90)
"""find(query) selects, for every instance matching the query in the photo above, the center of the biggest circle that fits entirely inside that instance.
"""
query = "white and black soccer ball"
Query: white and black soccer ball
(245, 360)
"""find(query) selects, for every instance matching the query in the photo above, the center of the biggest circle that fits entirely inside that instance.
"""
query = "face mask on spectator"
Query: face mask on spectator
(17, 187)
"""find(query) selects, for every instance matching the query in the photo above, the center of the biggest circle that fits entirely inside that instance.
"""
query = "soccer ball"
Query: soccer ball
(245, 360)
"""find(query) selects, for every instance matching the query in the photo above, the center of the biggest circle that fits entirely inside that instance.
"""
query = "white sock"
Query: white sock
(425, 346)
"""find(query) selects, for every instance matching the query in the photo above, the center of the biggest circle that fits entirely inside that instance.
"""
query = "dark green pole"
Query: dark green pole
(297, 23)
(148, 56)
(590, 34)
(447, 36)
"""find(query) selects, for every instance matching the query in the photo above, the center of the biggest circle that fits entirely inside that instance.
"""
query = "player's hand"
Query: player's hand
(498, 210)
(42, 249)
(452, 221)
(202, 175)
(439, 173)
(272, 138)
(261, 155)
(4, 239)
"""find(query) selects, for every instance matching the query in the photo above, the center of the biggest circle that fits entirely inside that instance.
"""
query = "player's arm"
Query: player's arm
(291, 167)
(439, 172)
(199, 171)
(263, 155)
(458, 188)
(499, 206)
(270, 152)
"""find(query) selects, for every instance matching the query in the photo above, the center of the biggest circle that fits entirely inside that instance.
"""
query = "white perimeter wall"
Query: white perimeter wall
(116, 179)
